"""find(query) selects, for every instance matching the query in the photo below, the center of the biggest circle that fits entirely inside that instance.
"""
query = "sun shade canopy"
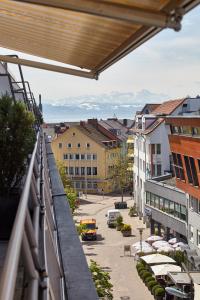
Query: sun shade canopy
(86, 34)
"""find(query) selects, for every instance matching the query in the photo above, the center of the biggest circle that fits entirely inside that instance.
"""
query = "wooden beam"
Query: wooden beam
(113, 11)
(48, 67)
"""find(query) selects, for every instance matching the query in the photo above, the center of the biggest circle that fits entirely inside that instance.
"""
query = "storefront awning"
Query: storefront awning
(89, 35)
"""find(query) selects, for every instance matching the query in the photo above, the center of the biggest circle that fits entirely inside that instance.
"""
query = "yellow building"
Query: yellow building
(88, 153)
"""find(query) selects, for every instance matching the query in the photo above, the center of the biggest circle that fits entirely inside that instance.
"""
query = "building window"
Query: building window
(156, 201)
(191, 170)
(60, 145)
(77, 185)
(74, 134)
(198, 160)
(158, 148)
(71, 170)
(191, 233)
(177, 210)
(94, 157)
(66, 170)
(94, 170)
(175, 129)
(183, 213)
(78, 145)
(159, 170)
(77, 156)
(82, 170)
(178, 166)
(153, 149)
(69, 145)
(88, 156)
(198, 238)
(76, 170)
(89, 171)
(148, 197)
(65, 156)
(87, 145)
(186, 130)
(153, 170)
(82, 156)
(71, 156)
(194, 172)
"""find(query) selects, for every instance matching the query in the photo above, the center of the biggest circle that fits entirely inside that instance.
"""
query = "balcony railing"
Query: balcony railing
(44, 247)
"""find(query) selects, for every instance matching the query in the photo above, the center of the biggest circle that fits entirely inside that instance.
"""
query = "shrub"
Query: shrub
(159, 291)
(119, 220)
(141, 273)
(151, 284)
(145, 275)
(101, 280)
(126, 227)
(147, 279)
(155, 287)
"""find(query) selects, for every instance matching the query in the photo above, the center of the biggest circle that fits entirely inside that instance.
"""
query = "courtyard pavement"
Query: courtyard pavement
(108, 250)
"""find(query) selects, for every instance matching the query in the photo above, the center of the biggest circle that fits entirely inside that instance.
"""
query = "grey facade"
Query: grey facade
(194, 224)
(158, 214)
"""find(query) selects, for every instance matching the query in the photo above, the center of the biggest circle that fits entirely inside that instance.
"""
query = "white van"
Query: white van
(112, 215)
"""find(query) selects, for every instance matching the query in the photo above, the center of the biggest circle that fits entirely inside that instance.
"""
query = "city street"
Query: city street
(108, 250)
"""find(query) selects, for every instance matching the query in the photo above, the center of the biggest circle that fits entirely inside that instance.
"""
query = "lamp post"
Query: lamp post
(140, 229)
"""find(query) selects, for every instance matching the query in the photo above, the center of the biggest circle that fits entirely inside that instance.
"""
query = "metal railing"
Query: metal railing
(33, 240)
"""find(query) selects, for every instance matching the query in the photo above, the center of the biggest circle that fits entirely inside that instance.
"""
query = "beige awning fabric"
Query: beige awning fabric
(86, 34)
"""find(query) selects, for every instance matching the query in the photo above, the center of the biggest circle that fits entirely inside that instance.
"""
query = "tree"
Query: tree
(120, 175)
(69, 190)
(101, 280)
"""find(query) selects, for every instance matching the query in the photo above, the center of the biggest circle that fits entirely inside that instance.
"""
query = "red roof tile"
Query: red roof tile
(168, 107)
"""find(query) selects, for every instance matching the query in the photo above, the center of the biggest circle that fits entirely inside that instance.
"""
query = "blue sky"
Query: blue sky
(168, 64)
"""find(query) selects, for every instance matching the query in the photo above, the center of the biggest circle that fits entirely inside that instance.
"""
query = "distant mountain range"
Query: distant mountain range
(121, 105)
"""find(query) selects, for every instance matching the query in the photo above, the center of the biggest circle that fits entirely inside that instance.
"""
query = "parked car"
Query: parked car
(89, 229)
(112, 215)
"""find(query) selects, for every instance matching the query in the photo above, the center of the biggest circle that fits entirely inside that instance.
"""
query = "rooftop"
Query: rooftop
(168, 107)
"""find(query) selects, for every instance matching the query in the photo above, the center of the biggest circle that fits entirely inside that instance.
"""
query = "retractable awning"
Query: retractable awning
(89, 35)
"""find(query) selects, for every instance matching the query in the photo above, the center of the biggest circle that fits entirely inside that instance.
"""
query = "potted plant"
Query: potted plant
(126, 230)
(17, 138)
(119, 222)
(133, 211)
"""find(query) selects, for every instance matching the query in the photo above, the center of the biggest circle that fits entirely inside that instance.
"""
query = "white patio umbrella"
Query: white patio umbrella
(161, 270)
(173, 241)
(137, 245)
(165, 249)
(146, 250)
(154, 238)
(160, 244)
(157, 259)
(181, 245)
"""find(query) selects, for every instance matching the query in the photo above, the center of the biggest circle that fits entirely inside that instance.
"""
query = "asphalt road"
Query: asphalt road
(108, 250)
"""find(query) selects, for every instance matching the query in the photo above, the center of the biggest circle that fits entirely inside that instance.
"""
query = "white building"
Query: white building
(152, 156)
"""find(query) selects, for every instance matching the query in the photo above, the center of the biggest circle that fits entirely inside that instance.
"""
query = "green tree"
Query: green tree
(17, 138)
(101, 280)
(120, 175)
(69, 190)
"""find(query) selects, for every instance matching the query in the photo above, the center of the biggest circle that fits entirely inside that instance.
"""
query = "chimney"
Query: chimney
(93, 122)
(125, 122)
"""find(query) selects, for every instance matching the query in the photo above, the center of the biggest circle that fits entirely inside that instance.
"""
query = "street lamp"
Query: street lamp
(140, 229)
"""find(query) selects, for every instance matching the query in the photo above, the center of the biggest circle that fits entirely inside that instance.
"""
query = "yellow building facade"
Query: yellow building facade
(88, 157)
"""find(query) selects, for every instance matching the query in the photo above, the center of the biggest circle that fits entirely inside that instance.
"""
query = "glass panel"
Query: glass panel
(156, 202)
(148, 197)
(177, 210)
(158, 148)
(162, 204)
(187, 165)
(171, 208)
(183, 213)
(166, 205)
(194, 171)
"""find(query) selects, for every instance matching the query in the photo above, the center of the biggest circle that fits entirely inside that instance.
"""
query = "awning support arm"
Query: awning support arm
(48, 67)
